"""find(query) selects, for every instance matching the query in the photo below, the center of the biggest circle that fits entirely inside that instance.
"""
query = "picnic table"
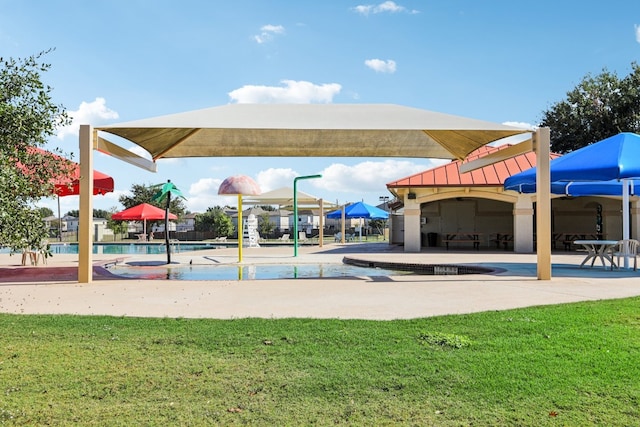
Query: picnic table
(602, 249)
(503, 238)
(465, 237)
(568, 239)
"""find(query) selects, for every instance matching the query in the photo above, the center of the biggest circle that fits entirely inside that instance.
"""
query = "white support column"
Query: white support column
(523, 225)
(412, 240)
(85, 219)
(542, 142)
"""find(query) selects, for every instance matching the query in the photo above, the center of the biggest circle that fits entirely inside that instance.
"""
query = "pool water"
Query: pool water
(131, 248)
(250, 272)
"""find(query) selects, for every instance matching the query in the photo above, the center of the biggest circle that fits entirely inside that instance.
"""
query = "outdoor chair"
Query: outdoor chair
(284, 238)
(632, 246)
(337, 237)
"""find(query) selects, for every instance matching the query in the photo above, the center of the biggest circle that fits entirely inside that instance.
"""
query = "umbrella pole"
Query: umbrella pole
(625, 221)
(59, 221)
(343, 219)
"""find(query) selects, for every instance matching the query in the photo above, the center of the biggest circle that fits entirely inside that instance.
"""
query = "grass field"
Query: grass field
(570, 365)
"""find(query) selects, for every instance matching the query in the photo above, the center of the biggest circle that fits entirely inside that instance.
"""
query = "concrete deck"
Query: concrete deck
(53, 288)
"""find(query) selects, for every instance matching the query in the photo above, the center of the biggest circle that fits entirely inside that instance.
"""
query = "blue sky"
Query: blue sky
(122, 60)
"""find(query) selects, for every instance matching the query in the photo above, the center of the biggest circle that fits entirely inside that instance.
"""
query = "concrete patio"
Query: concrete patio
(53, 288)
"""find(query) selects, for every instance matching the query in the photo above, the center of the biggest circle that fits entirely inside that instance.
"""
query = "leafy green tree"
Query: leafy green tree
(97, 213)
(377, 225)
(28, 117)
(265, 226)
(45, 212)
(216, 220)
(145, 194)
(118, 227)
(597, 108)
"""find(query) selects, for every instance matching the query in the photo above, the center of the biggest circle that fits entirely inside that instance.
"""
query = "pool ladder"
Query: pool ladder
(173, 244)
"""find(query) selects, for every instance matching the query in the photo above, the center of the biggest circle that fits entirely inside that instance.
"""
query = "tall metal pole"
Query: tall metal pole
(295, 209)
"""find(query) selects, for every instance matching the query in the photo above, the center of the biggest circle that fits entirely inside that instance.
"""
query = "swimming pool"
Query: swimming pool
(131, 248)
(250, 272)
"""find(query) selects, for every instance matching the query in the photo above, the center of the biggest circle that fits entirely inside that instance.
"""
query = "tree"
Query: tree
(599, 107)
(144, 194)
(265, 226)
(118, 227)
(97, 213)
(28, 117)
(45, 212)
(378, 225)
(216, 220)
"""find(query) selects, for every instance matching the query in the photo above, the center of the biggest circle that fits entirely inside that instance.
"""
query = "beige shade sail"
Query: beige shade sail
(311, 130)
(283, 197)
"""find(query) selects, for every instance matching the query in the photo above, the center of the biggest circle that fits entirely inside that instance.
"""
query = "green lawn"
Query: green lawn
(570, 365)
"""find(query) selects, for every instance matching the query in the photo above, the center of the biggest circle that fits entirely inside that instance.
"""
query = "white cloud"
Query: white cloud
(93, 113)
(637, 27)
(296, 92)
(267, 33)
(203, 194)
(381, 66)
(516, 139)
(136, 149)
(523, 125)
(274, 178)
(368, 176)
(384, 7)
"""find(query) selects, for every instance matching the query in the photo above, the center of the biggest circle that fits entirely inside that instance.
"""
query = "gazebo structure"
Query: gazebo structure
(304, 130)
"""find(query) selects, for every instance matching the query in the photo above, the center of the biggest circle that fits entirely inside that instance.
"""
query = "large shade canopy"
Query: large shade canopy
(360, 210)
(283, 197)
(311, 130)
(289, 130)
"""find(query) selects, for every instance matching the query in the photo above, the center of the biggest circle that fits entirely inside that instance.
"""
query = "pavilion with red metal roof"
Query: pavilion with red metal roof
(475, 203)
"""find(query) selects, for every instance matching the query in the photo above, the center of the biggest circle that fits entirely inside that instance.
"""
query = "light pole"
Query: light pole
(295, 209)
(385, 200)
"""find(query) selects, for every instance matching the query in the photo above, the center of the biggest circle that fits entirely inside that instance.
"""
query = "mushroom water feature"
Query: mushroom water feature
(239, 185)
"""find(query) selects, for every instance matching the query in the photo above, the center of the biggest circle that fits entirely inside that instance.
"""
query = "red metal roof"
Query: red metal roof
(492, 175)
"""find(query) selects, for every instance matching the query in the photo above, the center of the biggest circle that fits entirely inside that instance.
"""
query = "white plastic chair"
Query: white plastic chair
(632, 247)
